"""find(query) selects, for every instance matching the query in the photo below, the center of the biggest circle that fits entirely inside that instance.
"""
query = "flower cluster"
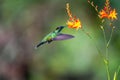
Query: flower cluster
(73, 22)
(107, 12)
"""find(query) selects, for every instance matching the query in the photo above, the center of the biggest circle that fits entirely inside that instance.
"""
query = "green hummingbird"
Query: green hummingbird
(54, 36)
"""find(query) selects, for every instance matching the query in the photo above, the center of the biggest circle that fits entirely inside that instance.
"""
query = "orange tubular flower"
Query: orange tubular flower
(103, 14)
(113, 14)
(73, 22)
(107, 12)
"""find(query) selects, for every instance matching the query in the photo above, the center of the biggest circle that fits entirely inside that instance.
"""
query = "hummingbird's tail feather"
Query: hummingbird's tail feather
(41, 43)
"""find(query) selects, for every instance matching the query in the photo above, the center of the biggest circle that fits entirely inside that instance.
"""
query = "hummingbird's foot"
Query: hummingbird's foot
(49, 41)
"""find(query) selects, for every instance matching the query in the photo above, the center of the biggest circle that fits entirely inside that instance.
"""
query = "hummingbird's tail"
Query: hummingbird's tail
(41, 43)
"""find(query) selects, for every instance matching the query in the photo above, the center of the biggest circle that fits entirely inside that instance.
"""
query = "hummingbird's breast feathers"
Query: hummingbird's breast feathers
(53, 34)
(50, 36)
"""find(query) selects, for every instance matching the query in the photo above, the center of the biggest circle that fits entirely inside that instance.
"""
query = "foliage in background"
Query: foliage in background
(24, 22)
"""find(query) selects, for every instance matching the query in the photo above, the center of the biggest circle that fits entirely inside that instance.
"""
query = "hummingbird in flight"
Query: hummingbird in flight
(54, 36)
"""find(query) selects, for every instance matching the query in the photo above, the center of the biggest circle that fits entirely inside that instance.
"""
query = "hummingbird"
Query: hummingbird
(54, 36)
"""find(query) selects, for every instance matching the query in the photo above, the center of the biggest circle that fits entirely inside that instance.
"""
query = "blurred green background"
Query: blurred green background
(23, 23)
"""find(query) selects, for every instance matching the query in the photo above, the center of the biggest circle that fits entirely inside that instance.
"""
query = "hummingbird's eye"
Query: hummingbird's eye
(57, 28)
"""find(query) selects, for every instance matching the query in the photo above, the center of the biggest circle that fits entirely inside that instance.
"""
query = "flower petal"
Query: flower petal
(113, 14)
(73, 22)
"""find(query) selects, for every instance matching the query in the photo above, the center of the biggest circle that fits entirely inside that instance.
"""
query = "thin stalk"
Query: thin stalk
(110, 37)
(106, 48)
(106, 61)
(107, 69)
(107, 45)
(99, 52)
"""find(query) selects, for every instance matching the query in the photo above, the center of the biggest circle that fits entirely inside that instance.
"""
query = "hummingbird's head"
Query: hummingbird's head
(59, 28)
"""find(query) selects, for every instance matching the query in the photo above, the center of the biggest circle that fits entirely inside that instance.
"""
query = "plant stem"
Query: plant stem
(110, 36)
(106, 48)
(106, 61)
(99, 52)
(107, 69)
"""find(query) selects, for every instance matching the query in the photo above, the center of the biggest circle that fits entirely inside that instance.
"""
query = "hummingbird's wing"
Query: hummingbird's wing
(63, 37)
(41, 43)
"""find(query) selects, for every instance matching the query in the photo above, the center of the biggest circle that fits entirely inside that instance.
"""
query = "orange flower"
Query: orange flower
(103, 14)
(113, 14)
(107, 12)
(73, 22)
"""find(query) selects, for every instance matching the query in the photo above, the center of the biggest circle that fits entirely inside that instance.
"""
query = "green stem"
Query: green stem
(106, 61)
(106, 48)
(107, 69)
(99, 52)
(110, 36)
